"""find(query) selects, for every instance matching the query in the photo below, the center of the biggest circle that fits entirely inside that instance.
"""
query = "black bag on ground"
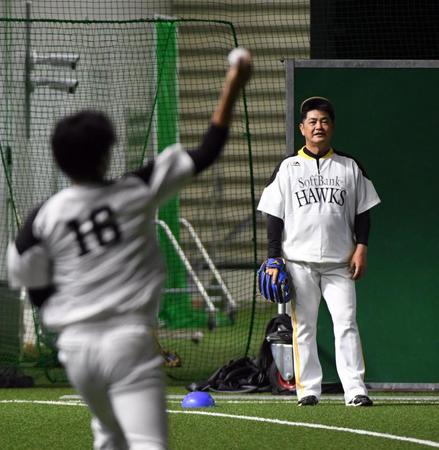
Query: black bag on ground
(260, 374)
(238, 375)
(246, 374)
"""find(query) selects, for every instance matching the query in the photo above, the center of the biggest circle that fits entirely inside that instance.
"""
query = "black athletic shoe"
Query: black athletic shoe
(361, 400)
(309, 400)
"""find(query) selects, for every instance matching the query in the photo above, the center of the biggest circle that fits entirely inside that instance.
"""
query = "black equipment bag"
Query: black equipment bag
(260, 374)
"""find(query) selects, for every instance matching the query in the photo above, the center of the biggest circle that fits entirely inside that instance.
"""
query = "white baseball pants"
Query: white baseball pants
(118, 372)
(333, 282)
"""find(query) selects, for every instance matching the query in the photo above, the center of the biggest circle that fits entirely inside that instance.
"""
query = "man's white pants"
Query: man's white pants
(333, 282)
(118, 372)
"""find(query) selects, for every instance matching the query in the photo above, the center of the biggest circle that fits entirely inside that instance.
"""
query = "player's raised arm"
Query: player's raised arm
(214, 140)
(236, 78)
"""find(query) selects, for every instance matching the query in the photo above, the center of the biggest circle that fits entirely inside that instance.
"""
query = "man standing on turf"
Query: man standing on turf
(91, 263)
(317, 204)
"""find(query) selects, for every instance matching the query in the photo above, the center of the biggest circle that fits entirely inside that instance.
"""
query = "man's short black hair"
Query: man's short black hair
(319, 103)
(81, 144)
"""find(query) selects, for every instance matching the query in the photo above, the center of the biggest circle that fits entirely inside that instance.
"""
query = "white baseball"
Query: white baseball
(197, 336)
(238, 54)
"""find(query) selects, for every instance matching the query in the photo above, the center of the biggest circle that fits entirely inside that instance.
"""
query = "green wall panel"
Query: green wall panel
(388, 118)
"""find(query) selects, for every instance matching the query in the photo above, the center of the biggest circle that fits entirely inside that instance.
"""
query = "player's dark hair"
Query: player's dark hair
(319, 103)
(81, 144)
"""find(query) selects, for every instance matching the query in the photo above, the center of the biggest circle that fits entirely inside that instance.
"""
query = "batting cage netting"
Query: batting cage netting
(156, 68)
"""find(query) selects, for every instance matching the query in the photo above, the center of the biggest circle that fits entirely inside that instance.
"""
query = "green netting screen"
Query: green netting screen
(134, 71)
(118, 71)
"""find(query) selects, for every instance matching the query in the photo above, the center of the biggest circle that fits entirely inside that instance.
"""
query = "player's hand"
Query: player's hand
(274, 273)
(274, 281)
(236, 78)
(276, 264)
(240, 72)
(358, 263)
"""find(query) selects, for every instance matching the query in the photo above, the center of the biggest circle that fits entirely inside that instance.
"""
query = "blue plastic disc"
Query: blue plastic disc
(197, 399)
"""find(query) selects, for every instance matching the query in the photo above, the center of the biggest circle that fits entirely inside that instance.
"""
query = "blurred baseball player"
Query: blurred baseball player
(90, 260)
(317, 204)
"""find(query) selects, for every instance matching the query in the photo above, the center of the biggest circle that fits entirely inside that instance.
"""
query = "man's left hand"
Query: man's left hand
(358, 262)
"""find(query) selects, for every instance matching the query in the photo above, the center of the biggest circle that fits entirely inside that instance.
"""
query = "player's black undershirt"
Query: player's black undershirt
(275, 227)
(203, 157)
(210, 148)
(26, 238)
(362, 228)
(38, 296)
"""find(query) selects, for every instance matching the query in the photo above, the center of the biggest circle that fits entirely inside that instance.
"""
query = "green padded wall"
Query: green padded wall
(388, 118)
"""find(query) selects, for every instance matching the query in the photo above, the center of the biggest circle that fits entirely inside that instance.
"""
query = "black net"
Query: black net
(156, 67)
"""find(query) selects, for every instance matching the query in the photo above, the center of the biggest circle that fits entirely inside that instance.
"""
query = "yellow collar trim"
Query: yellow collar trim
(302, 153)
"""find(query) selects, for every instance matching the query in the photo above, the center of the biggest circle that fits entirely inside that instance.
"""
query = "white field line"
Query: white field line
(312, 425)
(47, 402)
(255, 419)
(261, 398)
(267, 399)
(293, 402)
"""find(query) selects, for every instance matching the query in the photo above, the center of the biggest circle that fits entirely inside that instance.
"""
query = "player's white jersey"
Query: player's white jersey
(318, 200)
(96, 244)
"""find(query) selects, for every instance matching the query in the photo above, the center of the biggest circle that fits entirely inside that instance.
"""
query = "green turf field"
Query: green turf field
(43, 418)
